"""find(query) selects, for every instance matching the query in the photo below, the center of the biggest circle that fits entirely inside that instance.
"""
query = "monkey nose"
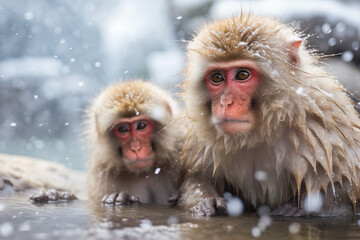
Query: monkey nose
(135, 146)
(226, 100)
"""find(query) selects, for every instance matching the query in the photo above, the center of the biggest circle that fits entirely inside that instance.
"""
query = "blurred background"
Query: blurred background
(56, 55)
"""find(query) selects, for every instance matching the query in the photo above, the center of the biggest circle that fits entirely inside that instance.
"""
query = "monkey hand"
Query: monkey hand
(288, 210)
(120, 198)
(208, 207)
(51, 195)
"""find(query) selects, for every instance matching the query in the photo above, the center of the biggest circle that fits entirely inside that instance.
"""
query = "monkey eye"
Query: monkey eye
(122, 129)
(216, 78)
(141, 126)
(242, 75)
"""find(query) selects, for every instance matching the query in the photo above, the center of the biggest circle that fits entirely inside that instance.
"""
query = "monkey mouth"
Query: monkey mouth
(139, 164)
(232, 120)
(235, 126)
(138, 160)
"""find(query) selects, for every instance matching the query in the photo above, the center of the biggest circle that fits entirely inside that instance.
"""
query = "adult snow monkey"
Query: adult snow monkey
(257, 102)
(134, 142)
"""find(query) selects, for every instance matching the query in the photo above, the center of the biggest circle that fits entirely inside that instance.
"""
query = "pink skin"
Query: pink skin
(231, 97)
(135, 134)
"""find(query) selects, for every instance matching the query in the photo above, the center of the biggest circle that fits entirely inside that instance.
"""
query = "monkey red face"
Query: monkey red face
(135, 135)
(232, 86)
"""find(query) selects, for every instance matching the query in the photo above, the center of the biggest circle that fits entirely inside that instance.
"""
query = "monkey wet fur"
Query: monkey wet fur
(256, 100)
(134, 143)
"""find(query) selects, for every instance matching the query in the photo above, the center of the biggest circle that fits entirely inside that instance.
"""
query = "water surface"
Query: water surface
(20, 219)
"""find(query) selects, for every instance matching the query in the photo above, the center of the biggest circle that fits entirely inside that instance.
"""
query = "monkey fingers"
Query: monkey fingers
(208, 207)
(288, 210)
(51, 195)
(121, 198)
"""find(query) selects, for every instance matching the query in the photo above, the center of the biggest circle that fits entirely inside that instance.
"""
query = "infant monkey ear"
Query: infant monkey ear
(294, 51)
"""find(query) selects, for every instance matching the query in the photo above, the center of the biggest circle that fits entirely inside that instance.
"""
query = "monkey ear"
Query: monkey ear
(294, 51)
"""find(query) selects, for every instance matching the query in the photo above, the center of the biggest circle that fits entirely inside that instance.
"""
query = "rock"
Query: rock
(19, 173)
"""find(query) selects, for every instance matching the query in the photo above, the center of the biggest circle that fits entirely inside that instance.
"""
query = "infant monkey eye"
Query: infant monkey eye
(242, 75)
(122, 129)
(141, 126)
(216, 78)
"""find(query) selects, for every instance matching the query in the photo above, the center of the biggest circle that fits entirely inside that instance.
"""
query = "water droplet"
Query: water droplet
(13, 124)
(179, 17)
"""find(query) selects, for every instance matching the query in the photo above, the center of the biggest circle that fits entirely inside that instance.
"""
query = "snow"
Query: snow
(326, 28)
(355, 45)
(347, 56)
(294, 228)
(157, 171)
(97, 64)
(332, 41)
(29, 16)
(25, 226)
(261, 175)
(2, 206)
(299, 90)
(313, 202)
(235, 206)
(198, 191)
(256, 232)
(158, 113)
(146, 224)
(6, 229)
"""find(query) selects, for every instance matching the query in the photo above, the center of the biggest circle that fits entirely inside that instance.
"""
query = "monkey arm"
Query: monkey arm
(199, 196)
